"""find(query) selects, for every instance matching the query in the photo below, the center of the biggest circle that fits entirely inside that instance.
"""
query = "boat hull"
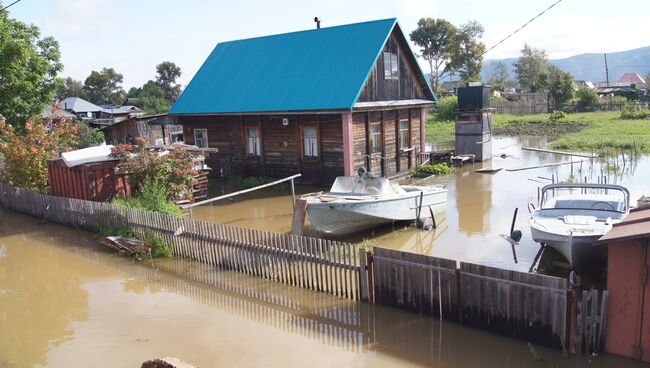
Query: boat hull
(577, 249)
(349, 216)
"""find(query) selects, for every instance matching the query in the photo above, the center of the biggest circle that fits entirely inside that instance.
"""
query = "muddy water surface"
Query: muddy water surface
(67, 302)
(479, 208)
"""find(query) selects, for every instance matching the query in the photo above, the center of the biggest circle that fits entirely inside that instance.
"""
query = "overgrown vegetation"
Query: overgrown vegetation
(152, 196)
(159, 249)
(435, 169)
(87, 136)
(446, 109)
(108, 230)
(586, 98)
(26, 154)
(632, 111)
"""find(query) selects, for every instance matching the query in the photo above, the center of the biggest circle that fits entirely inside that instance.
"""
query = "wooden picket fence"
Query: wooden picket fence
(591, 321)
(317, 264)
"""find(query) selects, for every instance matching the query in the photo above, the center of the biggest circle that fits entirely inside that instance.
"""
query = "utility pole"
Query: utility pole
(606, 72)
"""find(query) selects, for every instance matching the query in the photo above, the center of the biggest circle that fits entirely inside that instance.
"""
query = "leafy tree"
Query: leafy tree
(531, 69)
(151, 98)
(450, 49)
(560, 85)
(103, 87)
(467, 52)
(499, 76)
(168, 72)
(87, 136)
(587, 98)
(29, 65)
(26, 155)
(435, 37)
(71, 88)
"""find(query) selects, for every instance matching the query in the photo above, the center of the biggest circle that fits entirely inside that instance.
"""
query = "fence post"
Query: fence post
(572, 319)
(363, 276)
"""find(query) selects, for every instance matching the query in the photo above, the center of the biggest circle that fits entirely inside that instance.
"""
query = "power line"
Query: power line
(522, 27)
(9, 6)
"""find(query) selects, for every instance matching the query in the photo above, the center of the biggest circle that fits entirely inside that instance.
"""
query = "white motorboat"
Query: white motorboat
(572, 216)
(356, 203)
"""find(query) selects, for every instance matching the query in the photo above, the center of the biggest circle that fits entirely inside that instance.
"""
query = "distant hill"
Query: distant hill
(591, 67)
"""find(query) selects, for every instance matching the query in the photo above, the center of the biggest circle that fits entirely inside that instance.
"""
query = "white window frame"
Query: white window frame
(379, 136)
(391, 65)
(404, 134)
(310, 143)
(253, 142)
(204, 141)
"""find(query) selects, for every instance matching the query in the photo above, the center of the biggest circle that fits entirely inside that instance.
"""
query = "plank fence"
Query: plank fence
(317, 264)
(537, 308)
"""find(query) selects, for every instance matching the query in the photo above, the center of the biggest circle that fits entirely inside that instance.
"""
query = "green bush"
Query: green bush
(446, 108)
(557, 115)
(587, 98)
(107, 230)
(632, 111)
(435, 169)
(151, 197)
(159, 249)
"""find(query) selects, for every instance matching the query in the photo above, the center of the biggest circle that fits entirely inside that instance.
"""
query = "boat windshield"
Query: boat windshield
(593, 199)
(358, 185)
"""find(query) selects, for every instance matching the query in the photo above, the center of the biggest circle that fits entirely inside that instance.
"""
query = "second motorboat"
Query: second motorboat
(356, 203)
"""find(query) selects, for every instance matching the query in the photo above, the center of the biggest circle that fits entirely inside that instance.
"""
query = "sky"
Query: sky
(134, 36)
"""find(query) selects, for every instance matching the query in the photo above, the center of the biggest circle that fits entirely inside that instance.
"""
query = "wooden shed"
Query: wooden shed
(94, 181)
(628, 310)
(320, 102)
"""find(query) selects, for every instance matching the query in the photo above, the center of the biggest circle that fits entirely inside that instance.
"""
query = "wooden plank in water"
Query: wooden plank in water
(545, 165)
(587, 155)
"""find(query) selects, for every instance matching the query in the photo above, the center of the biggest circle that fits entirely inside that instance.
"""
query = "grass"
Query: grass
(591, 131)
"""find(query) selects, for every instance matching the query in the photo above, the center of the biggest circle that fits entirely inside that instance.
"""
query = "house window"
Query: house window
(404, 134)
(201, 138)
(253, 147)
(391, 69)
(375, 138)
(310, 141)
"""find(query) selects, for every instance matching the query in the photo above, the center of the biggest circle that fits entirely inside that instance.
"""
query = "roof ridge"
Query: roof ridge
(394, 19)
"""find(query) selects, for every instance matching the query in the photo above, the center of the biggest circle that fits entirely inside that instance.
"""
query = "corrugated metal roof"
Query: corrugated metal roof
(318, 69)
(78, 105)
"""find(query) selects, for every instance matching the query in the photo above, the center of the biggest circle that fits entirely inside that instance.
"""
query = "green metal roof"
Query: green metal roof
(319, 69)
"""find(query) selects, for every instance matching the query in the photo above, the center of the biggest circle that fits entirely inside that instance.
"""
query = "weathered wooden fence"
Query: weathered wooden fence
(523, 305)
(591, 320)
(311, 263)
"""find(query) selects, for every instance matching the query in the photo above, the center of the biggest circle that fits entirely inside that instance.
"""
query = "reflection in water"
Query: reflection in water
(41, 290)
(473, 200)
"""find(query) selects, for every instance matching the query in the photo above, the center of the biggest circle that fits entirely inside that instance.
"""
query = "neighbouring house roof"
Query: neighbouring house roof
(49, 112)
(450, 85)
(78, 105)
(636, 225)
(115, 110)
(630, 78)
(319, 69)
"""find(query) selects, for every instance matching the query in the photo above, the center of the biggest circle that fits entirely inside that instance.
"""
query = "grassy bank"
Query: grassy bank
(580, 132)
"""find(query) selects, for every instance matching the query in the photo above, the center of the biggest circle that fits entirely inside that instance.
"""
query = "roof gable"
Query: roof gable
(318, 69)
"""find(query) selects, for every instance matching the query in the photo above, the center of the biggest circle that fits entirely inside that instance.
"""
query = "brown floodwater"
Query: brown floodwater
(65, 301)
(479, 206)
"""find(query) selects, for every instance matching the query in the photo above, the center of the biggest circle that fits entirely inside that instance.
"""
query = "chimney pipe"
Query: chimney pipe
(317, 22)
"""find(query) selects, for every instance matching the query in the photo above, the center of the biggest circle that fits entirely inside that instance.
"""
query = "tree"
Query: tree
(26, 155)
(435, 37)
(168, 72)
(531, 69)
(71, 88)
(587, 98)
(467, 52)
(151, 98)
(29, 65)
(499, 76)
(104, 87)
(560, 85)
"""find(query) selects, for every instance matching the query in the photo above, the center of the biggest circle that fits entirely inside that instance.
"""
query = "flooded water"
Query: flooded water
(67, 302)
(479, 207)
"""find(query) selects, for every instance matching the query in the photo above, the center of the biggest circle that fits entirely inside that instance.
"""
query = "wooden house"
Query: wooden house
(157, 129)
(320, 102)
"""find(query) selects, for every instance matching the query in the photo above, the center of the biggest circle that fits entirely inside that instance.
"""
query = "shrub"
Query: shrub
(152, 196)
(557, 115)
(435, 169)
(633, 111)
(159, 249)
(88, 136)
(587, 98)
(107, 230)
(446, 108)
(26, 154)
